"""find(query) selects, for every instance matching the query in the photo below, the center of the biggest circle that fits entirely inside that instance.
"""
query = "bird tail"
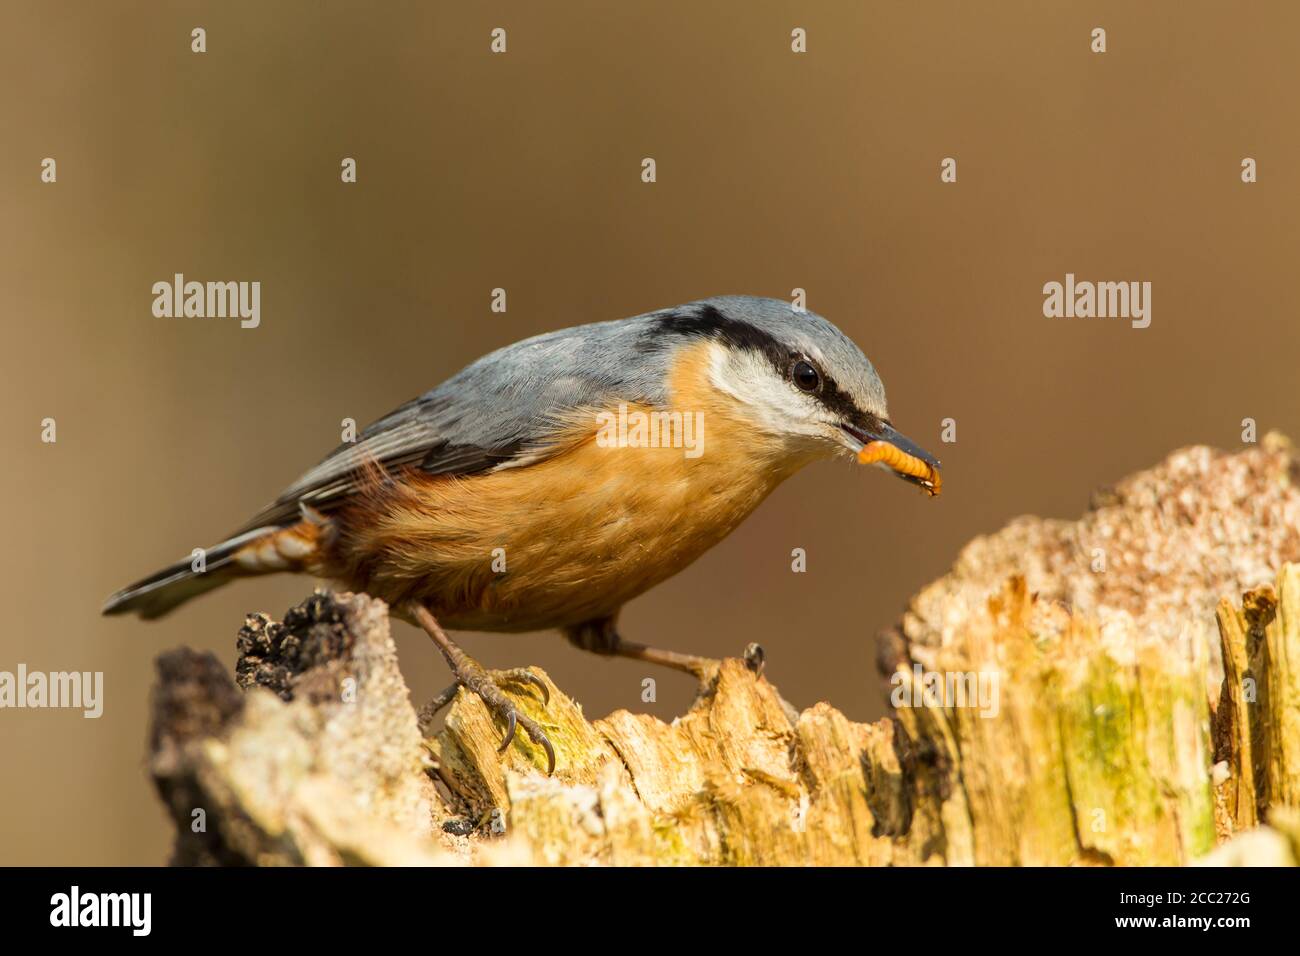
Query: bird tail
(260, 551)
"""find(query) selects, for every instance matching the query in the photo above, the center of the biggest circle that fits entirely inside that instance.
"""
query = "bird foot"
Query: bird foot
(486, 686)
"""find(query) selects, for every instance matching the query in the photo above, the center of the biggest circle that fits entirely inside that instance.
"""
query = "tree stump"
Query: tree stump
(1120, 690)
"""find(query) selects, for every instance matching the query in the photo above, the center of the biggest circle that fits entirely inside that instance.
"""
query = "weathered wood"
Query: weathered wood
(1259, 733)
(1126, 728)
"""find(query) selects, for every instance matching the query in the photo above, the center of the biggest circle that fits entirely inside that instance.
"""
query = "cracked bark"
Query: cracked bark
(1147, 712)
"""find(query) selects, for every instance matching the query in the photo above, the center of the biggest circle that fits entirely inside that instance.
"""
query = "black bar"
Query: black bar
(334, 907)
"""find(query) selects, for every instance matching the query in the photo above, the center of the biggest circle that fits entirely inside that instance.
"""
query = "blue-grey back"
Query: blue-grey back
(506, 407)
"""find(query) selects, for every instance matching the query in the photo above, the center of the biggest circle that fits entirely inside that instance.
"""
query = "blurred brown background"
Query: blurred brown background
(522, 170)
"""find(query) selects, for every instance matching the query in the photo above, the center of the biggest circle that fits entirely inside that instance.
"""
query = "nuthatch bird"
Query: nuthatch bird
(552, 481)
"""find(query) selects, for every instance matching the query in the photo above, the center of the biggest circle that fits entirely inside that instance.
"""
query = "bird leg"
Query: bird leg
(601, 637)
(483, 683)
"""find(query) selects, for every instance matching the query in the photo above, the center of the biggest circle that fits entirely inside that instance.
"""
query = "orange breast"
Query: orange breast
(573, 537)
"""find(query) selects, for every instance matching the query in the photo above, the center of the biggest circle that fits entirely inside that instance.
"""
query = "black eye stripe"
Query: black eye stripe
(709, 322)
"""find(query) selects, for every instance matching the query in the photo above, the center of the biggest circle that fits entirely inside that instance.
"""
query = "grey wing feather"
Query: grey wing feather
(503, 410)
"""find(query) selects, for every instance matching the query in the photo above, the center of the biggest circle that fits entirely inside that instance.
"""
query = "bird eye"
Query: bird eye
(805, 376)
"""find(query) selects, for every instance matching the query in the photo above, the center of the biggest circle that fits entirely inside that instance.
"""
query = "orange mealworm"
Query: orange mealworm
(901, 462)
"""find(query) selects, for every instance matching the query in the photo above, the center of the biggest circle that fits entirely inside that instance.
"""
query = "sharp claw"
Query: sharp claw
(546, 692)
(511, 720)
(550, 753)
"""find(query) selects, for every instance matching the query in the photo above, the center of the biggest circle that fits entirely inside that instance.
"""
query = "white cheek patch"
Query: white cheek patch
(777, 406)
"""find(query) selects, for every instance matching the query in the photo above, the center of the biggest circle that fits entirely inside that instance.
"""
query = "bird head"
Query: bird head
(800, 380)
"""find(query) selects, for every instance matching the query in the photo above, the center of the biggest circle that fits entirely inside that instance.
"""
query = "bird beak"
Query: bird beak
(881, 432)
